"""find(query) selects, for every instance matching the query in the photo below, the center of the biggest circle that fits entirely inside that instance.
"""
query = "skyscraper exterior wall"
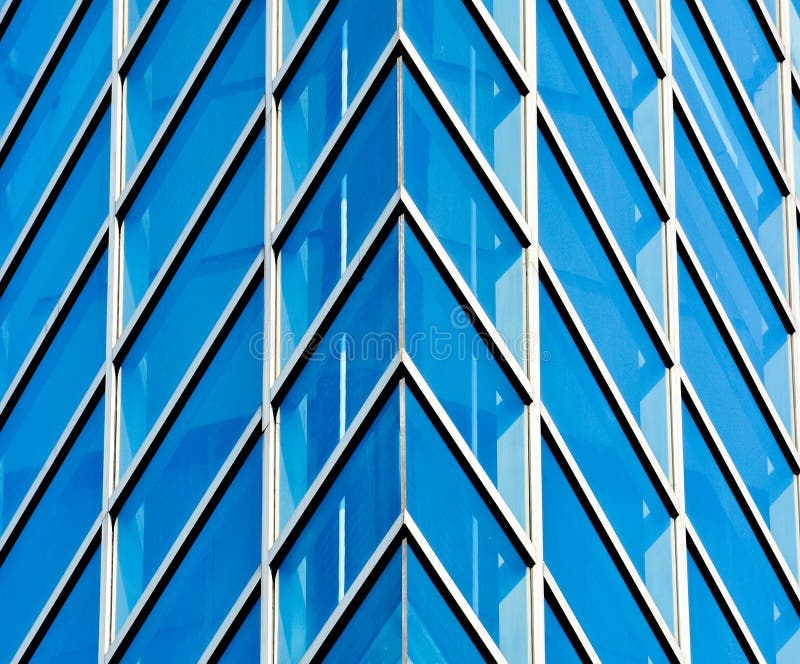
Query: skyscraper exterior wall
(399, 330)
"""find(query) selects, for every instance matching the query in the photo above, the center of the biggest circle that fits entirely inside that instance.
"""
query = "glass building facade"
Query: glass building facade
(399, 330)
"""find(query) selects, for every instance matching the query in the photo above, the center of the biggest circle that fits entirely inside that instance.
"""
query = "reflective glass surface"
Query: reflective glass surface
(591, 282)
(794, 23)
(56, 387)
(557, 646)
(605, 456)
(736, 416)
(728, 137)
(245, 646)
(188, 458)
(200, 290)
(733, 547)
(209, 579)
(54, 254)
(59, 112)
(796, 131)
(603, 162)
(41, 554)
(134, 11)
(161, 68)
(184, 171)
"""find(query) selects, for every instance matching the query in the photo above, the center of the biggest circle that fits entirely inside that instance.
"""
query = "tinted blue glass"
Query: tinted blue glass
(465, 378)
(245, 646)
(191, 159)
(161, 68)
(728, 136)
(736, 283)
(330, 76)
(794, 22)
(796, 128)
(465, 537)
(592, 284)
(649, 9)
(188, 458)
(375, 632)
(736, 416)
(56, 388)
(54, 254)
(626, 68)
(51, 126)
(474, 81)
(334, 384)
(434, 633)
(588, 577)
(52, 535)
(199, 292)
(23, 46)
(605, 455)
(294, 16)
(465, 219)
(603, 162)
(72, 637)
(342, 534)
(733, 548)
(715, 641)
(211, 576)
(343, 210)
(134, 10)
(752, 57)
(557, 646)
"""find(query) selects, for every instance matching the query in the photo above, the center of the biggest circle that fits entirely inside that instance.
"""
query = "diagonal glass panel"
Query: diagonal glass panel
(59, 112)
(134, 11)
(245, 646)
(200, 290)
(557, 646)
(192, 451)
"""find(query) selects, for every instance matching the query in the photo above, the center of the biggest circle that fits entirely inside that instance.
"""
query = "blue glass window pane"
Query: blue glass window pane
(473, 80)
(587, 576)
(197, 149)
(51, 126)
(592, 284)
(330, 76)
(134, 10)
(605, 455)
(728, 136)
(557, 646)
(716, 641)
(736, 416)
(52, 535)
(794, 23)
(753, 59)
(375, 632)
(434, 633)
(245, 646)
(188, 458)
(342, 534)
(733, 547)
(73, 635)
(649, 9)
(161, 68)
(201, 288)
(209, 579)
(337, 220)
(23, 46)
(54, 254)
(294, 16)
(465, 378)
(334, 384)
(626, 68)
(463, 216)
(736, 283)
(796, 126)
(51, 397)
(597, 150)
(465, 537)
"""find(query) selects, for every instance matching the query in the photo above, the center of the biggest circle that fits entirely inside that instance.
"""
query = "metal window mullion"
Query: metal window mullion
(605, 235)
(605, 531)
(60, 593)
(187, 537)
(648, 41)
(191, 231)
(605, 381)
(54, 321)
(741, 493)
(7, 11)
(181, 105)
(611, 107)
(771, 31)
(568, 621)
(42, 76)
(130, 48)
(731, 205)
